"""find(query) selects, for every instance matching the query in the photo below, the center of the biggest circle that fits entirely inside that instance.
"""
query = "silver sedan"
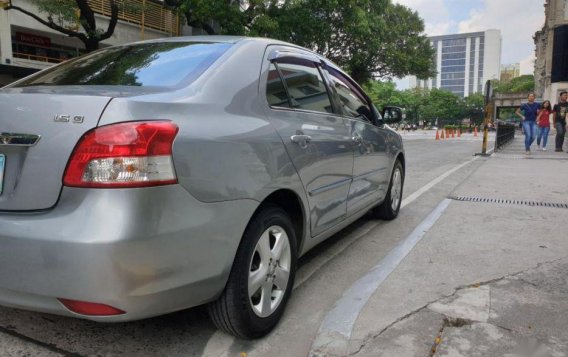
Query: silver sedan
(147, 178)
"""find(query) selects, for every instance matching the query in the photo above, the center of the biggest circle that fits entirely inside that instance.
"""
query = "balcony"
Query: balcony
(144, 13)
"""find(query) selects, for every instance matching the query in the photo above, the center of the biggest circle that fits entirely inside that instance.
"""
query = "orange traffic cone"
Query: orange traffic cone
(437, 135)
(474, 131)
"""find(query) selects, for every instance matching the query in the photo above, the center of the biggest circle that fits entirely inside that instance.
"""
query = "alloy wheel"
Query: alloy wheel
(269, 271)
(396, 189)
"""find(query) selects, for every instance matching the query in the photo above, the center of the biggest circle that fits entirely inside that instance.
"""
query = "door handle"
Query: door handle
(357, 139)
(301, 139)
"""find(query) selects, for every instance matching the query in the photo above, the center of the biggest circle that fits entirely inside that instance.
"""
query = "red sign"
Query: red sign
(33, 39)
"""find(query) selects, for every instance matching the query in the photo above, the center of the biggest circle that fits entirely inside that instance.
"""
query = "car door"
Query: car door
(316, 138)
(368, 141)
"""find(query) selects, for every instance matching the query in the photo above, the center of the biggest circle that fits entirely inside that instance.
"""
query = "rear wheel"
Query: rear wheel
(261, 279)
(390, 207)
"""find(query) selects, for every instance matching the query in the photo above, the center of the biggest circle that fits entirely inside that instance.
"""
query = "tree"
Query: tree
(442, 104)
(474, 105)
(63, 16)
(228, 17)
(382, 93)
(369, 38)
(522, 84)
(385, 93)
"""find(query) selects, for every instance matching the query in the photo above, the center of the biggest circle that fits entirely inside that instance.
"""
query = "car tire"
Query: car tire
(261, 278)
(389, 208)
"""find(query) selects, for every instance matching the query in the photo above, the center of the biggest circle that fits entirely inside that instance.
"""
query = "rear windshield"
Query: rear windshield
(165, 64)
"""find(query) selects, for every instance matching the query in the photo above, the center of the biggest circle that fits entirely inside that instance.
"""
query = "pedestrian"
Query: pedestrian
(528, 116)
(543, 124)
(559, 118)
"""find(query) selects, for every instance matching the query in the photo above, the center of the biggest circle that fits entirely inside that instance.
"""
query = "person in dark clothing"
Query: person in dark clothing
(529, 111)
(559, 117)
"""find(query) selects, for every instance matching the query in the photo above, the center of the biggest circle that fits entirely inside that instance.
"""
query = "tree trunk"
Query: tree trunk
(92, 44)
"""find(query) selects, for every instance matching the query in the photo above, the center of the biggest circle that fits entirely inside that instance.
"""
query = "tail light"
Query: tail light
(90, 308)
(130, 154)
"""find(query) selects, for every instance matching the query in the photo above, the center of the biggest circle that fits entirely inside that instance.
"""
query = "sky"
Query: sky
(518, 20)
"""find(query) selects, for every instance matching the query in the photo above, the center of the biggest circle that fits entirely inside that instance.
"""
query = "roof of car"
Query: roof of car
(213, 39)
(205, 38)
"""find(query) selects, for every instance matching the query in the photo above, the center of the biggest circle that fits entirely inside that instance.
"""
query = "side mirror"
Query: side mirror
(392, 114)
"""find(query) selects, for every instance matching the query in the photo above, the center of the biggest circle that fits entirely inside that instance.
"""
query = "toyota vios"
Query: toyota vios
(147, 178)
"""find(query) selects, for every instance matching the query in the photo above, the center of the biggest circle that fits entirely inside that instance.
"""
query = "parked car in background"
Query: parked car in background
(152, 177)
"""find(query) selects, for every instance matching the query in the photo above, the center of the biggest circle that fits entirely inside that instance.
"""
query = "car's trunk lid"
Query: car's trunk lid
(38, 132)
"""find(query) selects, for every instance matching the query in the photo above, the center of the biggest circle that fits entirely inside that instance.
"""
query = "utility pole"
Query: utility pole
(488, 115)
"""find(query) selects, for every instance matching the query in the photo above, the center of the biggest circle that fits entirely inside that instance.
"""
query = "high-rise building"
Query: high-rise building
(510, 71)
(464, 62)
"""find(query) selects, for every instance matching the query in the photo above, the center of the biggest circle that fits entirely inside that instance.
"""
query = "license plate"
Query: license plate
(2, 161)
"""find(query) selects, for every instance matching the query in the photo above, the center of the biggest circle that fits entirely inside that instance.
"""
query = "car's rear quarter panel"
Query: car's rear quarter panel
(226, 149)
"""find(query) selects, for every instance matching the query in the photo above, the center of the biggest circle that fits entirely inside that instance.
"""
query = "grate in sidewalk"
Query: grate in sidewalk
(509, 202)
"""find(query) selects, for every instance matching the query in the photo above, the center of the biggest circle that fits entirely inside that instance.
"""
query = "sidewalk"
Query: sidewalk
(489, 278)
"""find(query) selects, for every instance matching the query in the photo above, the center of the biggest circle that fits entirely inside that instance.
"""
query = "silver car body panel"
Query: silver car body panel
(154, 250)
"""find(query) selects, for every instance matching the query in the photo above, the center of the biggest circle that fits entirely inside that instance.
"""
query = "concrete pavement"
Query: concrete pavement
(489, 278)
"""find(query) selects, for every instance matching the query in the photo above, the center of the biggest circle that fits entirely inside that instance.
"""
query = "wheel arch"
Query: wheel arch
(400, 157)
(290, 202)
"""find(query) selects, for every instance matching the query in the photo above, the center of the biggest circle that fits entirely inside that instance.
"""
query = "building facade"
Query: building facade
(510, 71)
(551, 66)
(27, 46)
(464, 62)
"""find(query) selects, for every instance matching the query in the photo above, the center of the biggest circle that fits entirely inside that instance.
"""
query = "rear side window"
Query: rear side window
(304, 85)
(165, 64)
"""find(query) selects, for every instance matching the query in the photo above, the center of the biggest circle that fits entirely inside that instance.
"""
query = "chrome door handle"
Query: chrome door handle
(301, 139)
(357, 139)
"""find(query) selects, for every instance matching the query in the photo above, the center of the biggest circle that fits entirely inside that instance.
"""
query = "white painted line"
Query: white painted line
(434, 182)
(336, 328)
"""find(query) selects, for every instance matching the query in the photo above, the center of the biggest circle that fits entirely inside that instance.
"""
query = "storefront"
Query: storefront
(40, 48)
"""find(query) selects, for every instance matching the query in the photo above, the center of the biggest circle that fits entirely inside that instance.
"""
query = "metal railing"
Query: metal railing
(505, 133)
(37, 58)
(146, 13)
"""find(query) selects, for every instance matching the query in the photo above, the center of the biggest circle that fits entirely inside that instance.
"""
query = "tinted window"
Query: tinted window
(275, 90)
(305, 85)
(151, 64)
(353, 102)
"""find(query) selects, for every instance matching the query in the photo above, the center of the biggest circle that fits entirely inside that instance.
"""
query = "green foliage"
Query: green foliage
(383, 93)
(476, 100)
(63, 12)
(368, 38)
(441, 104)
(426, 105)
(522, 84)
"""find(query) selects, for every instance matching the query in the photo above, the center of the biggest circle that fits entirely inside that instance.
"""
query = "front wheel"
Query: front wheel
(389, 208)
(261, 279)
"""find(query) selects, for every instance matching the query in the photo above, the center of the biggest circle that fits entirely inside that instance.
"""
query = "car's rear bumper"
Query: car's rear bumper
(144, 251)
